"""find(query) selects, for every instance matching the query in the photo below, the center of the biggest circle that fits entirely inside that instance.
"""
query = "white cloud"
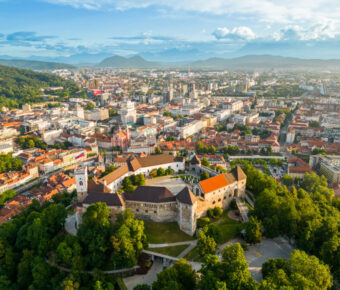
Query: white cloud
(274, 11)
(237, 33)
(319, 31)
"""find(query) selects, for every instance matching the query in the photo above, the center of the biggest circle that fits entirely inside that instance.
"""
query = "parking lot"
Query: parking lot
(258, 254)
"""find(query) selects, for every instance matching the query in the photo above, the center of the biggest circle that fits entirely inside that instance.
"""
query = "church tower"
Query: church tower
(81, 182)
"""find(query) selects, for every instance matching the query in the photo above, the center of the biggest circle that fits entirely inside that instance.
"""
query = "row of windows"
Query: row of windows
(146, 211)
(230, 195)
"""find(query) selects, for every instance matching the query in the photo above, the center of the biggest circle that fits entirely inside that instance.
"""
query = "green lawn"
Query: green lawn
(227, 226)
(193, 255)
(159, 233)
(170, 251)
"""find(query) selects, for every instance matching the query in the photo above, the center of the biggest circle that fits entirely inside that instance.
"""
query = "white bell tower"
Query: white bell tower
(81, 182)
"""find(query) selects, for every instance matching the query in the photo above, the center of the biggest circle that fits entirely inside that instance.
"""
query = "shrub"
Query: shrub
(233, 204)
(214, 232)
(244, 246)
(217, 211)
(201, 222)
(210, 213)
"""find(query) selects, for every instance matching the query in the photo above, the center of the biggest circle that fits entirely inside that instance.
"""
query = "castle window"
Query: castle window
(137, 210)
(146, 211)
(214, 202)
(219, 199)
(230, 195)
(155, 211)
(80, 183)
(225, 197)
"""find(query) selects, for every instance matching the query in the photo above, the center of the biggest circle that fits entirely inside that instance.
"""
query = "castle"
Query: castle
(156, 203)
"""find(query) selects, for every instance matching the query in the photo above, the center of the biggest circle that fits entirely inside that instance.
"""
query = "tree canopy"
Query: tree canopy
(310, 214)
(20, 86)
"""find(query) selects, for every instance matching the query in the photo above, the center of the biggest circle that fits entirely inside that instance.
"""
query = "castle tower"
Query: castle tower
(187, 211)
(81, 182)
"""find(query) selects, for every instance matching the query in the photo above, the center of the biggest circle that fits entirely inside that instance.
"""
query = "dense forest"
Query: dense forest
(35, 65)
(309, 216)
(231, 272)
(34, 242)
(20, 86)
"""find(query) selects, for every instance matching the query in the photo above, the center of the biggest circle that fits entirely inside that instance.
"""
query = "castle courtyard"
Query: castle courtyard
(175, 185)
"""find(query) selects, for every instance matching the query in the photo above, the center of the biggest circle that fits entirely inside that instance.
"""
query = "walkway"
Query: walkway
(148, 278)
(170, 244)
(118, 271)
(70, 224)
(188, 249)
(192, 244)
(243, 209)
(249, 200)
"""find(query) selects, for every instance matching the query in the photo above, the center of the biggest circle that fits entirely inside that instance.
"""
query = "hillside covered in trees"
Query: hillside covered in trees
(20, 86)
(34, 243)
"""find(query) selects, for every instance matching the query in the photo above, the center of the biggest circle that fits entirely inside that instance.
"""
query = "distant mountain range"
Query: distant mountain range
(127, 62)
(266, 62)
(35, 65)
(260, 62)
(249, 62)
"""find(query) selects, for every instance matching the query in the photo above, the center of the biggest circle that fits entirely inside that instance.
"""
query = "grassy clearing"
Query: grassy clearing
(160, 233)
(227, 226)
(193, 255)
(170, 251)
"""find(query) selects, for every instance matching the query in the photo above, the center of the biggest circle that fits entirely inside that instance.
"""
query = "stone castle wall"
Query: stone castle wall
(157, 212)
(187, 217)
(220, 198)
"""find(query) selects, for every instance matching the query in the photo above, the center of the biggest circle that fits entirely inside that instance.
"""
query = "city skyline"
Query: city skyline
(164, 31)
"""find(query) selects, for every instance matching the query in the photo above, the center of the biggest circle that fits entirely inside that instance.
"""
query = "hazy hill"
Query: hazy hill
(19, 86)
(35, 65)
(260, 62)
(127, 62)
(266, 62)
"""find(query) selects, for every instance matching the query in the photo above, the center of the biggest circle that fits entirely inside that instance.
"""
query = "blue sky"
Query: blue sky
(171, 30)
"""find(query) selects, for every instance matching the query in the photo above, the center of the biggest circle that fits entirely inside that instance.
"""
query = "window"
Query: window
(230, 195)
(146, 211)
(214, 202)
(155, 211)
(219, 199)
(80, 183)
(224, 197)
(137, 210)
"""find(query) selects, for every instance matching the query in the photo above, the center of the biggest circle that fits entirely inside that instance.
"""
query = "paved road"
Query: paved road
(260, 253)
(255, 157)
(149, 278)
